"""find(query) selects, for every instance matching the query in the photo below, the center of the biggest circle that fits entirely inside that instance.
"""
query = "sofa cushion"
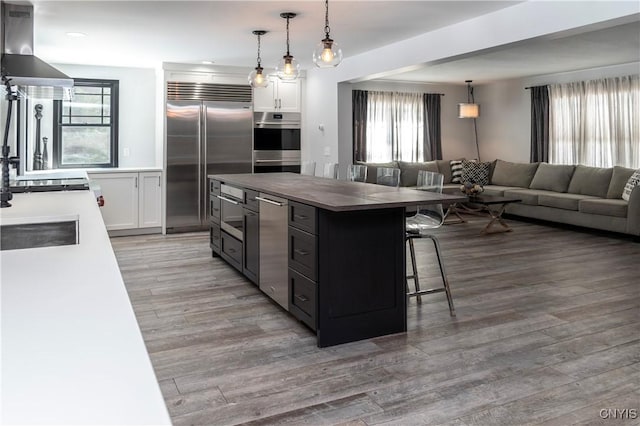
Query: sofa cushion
(497, 189)
(604, 207)
(565, 201)
(456, 171)
(513, 174)
(372, 169)
(619, 179)
(409, 171)
(590, 181)
(552, 177)
(633, 181)
(475, 172)
(445, 168)
(528, 196)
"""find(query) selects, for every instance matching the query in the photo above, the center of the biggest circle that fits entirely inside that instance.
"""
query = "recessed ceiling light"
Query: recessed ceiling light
(76, 34)
(207, 62)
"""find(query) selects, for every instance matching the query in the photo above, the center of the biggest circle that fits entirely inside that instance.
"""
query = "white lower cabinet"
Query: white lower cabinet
(150, 200)
(132, 200)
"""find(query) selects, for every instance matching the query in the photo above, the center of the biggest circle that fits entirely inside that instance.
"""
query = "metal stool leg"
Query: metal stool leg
(414, 267)
(447, 290)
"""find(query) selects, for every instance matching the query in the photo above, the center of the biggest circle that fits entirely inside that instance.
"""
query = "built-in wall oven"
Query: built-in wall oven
(276, 142)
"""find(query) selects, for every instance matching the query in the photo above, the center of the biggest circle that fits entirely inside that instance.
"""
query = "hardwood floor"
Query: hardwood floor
(547, 332)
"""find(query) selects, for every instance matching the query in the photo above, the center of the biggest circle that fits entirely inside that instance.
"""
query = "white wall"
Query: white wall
(504, 127)
(137, 111)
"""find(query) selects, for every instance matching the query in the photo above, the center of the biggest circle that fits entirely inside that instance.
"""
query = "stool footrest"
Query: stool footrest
(421, 292)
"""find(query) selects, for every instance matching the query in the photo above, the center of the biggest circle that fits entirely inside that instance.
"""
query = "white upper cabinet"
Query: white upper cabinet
(280, 96)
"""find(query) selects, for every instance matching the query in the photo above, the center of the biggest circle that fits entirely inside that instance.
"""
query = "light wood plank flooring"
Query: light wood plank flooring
(547, 332)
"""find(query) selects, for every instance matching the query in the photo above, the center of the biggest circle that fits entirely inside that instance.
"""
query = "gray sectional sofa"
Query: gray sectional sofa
(576, 195)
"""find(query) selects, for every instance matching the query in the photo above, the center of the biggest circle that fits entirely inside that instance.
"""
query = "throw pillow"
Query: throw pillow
(590, 181)
(409, 171)
(474, 172)
(633, 181)
(456, 171)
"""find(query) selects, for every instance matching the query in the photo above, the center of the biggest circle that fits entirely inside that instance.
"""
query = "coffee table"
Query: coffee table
(484, 203)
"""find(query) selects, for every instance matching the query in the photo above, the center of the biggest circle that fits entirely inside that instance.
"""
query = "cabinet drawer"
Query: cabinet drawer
(214, 238)
(302, 217)
(214, 187)
(231, 250)
(250, 201)
(214, 209)
(303, 298)
(302, 253)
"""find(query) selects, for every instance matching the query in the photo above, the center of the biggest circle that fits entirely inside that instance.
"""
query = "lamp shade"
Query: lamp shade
(468, 110)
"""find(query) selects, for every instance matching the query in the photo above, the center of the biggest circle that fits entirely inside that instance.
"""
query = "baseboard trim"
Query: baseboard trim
(135, 231)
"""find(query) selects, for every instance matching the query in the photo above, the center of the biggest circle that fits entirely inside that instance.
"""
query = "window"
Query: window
(85, 130)
(396, 126)
(595, 123)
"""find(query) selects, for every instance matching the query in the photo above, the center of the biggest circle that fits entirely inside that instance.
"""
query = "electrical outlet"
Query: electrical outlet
(125, 152)
(327, 151)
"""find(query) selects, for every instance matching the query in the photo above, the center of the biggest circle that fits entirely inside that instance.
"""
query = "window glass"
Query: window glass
(86, 127)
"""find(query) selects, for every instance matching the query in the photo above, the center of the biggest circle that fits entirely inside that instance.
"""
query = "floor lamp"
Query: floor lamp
(470, 109)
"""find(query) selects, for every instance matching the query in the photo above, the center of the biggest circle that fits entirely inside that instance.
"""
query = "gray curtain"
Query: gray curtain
(432, 128)
(359, 106)
(539, 124)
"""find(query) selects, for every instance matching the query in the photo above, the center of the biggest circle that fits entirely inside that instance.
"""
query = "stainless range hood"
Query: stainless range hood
(33, 77)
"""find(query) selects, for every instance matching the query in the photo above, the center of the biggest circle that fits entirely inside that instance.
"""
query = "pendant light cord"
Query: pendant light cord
(288, 36)
(326, 18)
(259, 51)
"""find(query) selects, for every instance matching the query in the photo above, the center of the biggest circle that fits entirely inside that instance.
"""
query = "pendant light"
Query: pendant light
(288, 68)
(257, 79)
(470, 109)
(327, 53)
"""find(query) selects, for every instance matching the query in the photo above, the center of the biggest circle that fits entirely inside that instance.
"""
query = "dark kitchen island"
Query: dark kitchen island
(346, 249)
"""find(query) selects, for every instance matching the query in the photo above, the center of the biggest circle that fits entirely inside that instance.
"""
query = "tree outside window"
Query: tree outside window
(86, 127)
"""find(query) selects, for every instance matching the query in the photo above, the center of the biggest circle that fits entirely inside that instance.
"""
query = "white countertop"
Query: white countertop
(72, 351)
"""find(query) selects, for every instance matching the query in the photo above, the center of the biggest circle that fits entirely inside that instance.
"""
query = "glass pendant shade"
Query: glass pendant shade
(288, 68)
(327, 54)
(468, 110)
(257, 79)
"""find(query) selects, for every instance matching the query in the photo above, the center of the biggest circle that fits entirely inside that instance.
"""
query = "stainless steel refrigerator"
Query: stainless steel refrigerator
(203, 138)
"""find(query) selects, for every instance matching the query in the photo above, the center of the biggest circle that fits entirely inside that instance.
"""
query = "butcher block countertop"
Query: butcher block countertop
(332, 194)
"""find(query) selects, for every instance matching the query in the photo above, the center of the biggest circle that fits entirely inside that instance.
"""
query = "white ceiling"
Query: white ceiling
(147, 33)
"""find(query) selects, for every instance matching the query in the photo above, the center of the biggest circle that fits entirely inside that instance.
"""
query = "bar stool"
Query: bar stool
(308, 168)
(357, 173)
(426, 218)
(330, 170)
(388, 176)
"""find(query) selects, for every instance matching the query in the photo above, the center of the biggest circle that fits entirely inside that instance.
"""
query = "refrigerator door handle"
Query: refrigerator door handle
(202, 124)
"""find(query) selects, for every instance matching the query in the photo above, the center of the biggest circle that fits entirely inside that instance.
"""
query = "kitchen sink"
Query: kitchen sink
(24, 233)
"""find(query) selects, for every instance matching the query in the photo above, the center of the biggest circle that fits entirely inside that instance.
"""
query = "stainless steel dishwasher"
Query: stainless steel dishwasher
(274, 280)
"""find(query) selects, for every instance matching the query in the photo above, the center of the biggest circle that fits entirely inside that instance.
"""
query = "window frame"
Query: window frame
(58, 126)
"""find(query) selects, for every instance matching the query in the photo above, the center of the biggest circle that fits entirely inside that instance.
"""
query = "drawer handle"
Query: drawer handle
(301, 252)
(268, 201)
(248, 213)
(229, 200)
(300, 216)
(216, 210)
(231, 250)
(302, 298)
